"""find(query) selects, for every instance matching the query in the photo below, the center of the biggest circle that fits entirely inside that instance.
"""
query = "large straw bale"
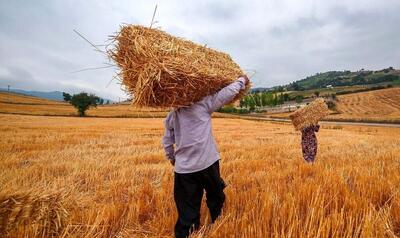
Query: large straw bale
(160, 70)
(310, 114)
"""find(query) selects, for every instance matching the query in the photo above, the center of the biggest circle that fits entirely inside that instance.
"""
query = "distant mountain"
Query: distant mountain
(53, 95)
(346, 78)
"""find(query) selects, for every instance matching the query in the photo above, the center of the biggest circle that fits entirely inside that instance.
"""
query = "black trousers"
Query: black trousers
(188, 192)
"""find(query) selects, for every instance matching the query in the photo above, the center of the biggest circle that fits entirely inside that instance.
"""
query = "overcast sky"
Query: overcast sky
(282, 40)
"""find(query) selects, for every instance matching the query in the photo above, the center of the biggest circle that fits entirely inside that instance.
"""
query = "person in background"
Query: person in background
(309, 143)
(190, 147)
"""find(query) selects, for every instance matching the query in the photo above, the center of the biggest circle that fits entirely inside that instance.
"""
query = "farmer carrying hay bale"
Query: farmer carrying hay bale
(160, 70)
(306, 120)
(190, 146)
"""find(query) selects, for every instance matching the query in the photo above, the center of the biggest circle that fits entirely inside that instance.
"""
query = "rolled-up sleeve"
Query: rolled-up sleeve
(225, 95)
(168, 140)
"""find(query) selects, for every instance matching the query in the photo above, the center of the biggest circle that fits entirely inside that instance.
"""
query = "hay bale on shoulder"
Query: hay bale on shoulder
(160, 70)
(310, 114)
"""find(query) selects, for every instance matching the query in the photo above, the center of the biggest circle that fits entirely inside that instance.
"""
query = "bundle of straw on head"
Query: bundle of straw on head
(160, 70)
(310, 114)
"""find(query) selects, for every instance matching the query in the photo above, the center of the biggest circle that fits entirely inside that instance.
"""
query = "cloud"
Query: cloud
(282, 40)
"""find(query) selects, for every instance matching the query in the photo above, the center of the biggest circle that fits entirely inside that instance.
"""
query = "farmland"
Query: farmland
(11, 103)
(373, 106)
(107, 177)
(18, 104)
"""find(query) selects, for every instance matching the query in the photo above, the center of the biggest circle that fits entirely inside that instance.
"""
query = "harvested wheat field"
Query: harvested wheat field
(11, 103)
(17, 104)
(15, 98)
(380, 105)
(103, 177)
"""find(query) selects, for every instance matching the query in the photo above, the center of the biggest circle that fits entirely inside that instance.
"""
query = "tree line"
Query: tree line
(254, 101)
(266, 99)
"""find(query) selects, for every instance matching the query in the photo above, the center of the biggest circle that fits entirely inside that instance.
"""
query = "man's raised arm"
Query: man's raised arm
(225, 95)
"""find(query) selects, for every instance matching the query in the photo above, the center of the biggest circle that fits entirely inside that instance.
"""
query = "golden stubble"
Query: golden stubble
(104, 177)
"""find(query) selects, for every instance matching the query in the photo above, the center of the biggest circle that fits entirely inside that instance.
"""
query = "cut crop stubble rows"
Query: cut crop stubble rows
(103, 177)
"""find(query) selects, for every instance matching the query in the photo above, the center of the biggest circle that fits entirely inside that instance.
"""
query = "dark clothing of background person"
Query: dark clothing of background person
(309, 143)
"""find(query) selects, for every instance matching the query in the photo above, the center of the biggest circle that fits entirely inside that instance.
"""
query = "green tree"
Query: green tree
(316, 93)
(264, 99)
(280, 99)
(275, 100)
(257, 99)
(299, 98)
(67, 96)
(242, 103)
(252, 104)
(270, 99)
(83, 101)
(286, 97)
(295, 86)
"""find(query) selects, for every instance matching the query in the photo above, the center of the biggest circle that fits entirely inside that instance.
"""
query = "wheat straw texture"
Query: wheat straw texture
(160, 70)
(119, 184)
(45, 213)
(310, 114)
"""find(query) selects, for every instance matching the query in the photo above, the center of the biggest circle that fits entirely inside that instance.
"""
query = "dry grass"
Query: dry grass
(374, 106)
(160, 70)
(111, 178)
(6, 97)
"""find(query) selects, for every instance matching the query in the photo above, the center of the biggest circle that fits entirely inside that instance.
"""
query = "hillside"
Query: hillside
(372, 106)
(12, 103)
(346, 78)
(16, 98)
(53, 95)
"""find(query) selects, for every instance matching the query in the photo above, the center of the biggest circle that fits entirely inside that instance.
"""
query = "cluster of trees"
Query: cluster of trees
(83, 101)
(256, 100)
(232, 109)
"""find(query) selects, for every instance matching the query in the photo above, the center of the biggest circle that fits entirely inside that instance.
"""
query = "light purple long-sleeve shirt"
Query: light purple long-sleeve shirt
(189, 129)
